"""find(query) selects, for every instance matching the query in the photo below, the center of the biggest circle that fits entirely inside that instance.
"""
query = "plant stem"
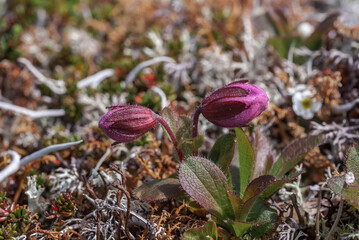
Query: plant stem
(195, 121)
(339, 214)
(171, 134)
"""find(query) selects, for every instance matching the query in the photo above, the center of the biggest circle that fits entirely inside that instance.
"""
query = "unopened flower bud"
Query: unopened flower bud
(127, 123)
(234, 105)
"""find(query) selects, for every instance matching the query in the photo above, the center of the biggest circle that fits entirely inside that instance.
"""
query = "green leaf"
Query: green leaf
(278, 184)
(222, 152)
(262, 212)
(224, 234)
(353, 163)
(336, 184)
(159, 190)
(351, 194)
(237, 205)
(206, 184)
(194, 144)
(278, 20)
(263, 160)
(246, 159)
(252, 193)
(282, 44)
(172, 120)
(208, 231)
(184, 130)
(294, 153)
(242, 206)
(239, 228)
(314, 41)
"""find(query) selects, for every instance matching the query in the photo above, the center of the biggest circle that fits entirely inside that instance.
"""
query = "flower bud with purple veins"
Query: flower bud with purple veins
(234, 105)
(127, 123)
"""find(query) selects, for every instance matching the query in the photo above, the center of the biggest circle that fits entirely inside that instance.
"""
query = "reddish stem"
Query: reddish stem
(171, 134)
(195, 124)
(195, 121)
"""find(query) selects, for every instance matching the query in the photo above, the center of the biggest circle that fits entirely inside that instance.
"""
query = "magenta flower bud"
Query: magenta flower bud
(234, 105)
(127, 123)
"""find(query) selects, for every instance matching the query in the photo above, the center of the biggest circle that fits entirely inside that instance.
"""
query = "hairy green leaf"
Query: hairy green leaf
(336, 184)
(294, 153)
(246, 159)
(159, 190)
(351, 194)
(195, 144)
(262, 212)
(278, 184)
(252, 193)
(171, 118)
(314, 41)
(238, 228)
(263, 160)
(222, 151)
(353, 163)
(208, 231)
(206, 184)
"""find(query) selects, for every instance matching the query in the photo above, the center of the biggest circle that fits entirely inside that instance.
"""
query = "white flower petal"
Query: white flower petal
(316, 105)
(307, 115)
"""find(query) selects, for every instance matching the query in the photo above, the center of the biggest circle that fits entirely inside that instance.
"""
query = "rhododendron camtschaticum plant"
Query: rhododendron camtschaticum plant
(235, 204)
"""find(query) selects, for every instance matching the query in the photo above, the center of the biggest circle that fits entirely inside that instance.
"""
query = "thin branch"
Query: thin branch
(99, 218)
(339, 214)
(295, 205)
(103, 159)
(121, 190)
(31, 113)
(115, 168)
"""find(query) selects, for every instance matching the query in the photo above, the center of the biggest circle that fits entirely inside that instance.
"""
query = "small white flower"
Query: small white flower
(349, 178)
(305, 29)
(304, 102)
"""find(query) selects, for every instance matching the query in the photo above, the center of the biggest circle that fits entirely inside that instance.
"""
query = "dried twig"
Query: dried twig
(339, 214)
(128, 196)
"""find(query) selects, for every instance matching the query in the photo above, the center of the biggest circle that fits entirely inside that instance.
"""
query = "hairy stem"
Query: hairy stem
(171, 134)
(195, 121)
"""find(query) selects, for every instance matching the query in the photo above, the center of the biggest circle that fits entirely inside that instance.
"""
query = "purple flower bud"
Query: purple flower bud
(127, 123)
(234, 105)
